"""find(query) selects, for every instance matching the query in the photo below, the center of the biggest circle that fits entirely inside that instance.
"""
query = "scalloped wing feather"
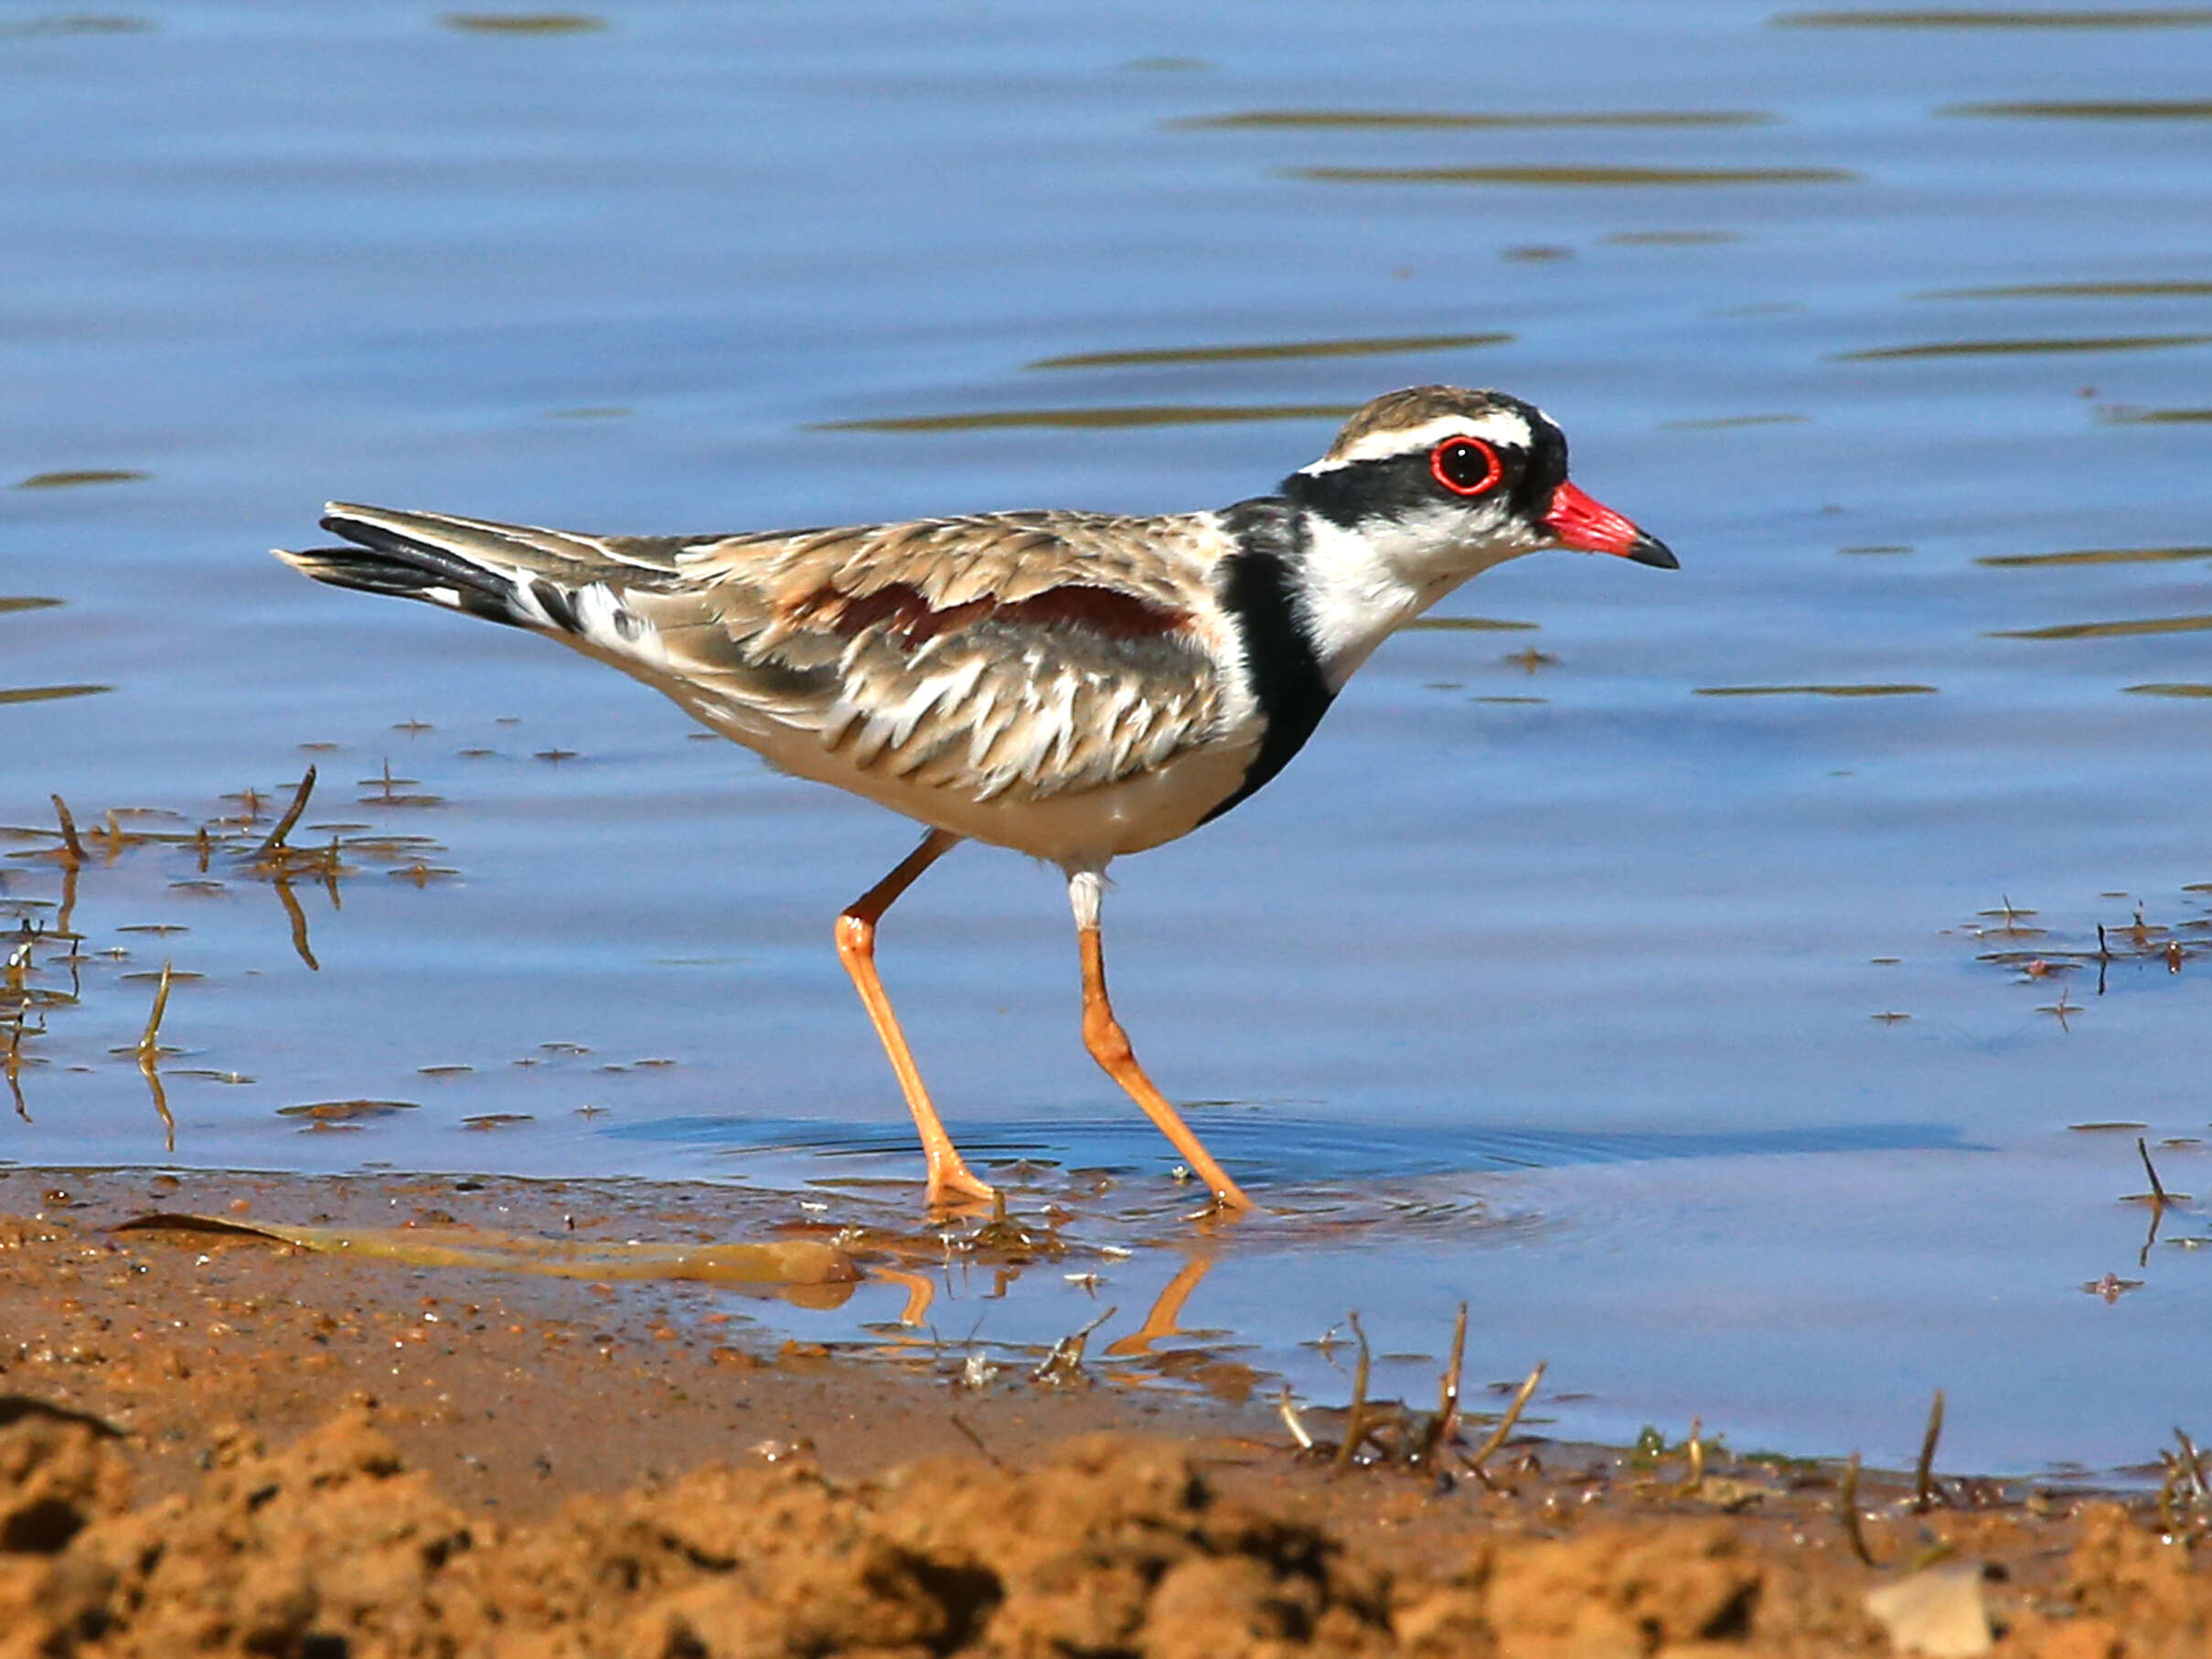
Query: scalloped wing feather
(1015, 656)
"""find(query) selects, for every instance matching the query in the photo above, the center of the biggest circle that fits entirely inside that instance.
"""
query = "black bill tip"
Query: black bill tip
(1648, 549)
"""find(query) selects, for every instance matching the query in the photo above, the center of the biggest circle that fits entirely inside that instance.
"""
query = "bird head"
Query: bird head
(1446, 482)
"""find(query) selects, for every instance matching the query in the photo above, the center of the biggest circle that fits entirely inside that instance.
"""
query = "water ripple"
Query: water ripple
(76, 477)
(2097, 555)
(2109, 630)
(1968, 348)
(1432, 120)
(49, 694)
(1253, 354)
(2094, 110)
(78, 24)
(1818, 690)
(1638, 177)
(2194, 17)
(522, 23)
(2156, 417)
(2075, 290)
(1150, 414)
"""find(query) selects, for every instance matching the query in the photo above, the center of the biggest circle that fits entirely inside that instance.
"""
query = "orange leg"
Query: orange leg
(949, 1177)
(1109, 1045)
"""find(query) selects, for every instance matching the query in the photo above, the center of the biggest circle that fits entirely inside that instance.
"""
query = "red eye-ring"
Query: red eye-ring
(1465, 466)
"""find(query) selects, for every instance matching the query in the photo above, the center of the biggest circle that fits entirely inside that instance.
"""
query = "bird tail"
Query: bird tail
(523, 577)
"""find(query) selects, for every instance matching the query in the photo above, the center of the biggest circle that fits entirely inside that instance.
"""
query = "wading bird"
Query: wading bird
(1073, 685)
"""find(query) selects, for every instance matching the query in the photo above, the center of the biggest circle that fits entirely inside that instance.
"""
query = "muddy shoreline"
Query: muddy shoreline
(209, 1442)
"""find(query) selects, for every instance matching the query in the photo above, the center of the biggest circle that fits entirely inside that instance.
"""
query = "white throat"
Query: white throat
(1358, 586)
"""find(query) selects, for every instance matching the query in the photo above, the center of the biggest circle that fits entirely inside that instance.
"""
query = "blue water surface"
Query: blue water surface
(1652, 974)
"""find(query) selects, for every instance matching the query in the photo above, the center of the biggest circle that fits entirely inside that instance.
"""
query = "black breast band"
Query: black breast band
(1278, 651)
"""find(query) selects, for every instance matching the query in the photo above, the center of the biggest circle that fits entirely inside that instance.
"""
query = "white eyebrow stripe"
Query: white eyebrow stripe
(1500, 426)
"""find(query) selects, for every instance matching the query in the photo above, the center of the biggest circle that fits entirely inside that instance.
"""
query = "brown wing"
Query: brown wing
(1025, 655)
(1031, 653)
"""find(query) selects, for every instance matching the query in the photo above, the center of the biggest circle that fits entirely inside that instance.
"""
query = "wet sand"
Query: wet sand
(213, 1443)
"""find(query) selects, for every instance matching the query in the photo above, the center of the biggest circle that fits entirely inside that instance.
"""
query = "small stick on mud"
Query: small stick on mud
(1292, 1422)
(1447, 1394)
(2184, 1480)
(275, 842)
(2193, 1461)
(1847, 1512)
(149, 1045)
(1355, 1422)
(1441, 1429)
(1505, 1424)
(976, 1440)
(1696, 1446)
(1925, 1494)
(72, 849)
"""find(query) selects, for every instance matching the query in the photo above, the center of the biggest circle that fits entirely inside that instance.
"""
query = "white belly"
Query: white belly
(1078, 828)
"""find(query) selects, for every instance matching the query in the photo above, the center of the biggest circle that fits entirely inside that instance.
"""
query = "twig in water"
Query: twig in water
(298, 918)
(161, 1104)
(1292, 1422)
(1505, 1424)
(274, 844)
(1064, 1363)
(149, 1045)
(1847, 1512)
(13, 1067)
(1355, 1423)
(1925, 1494)
(72, 849)
(149, 1060)
(2158, 1192)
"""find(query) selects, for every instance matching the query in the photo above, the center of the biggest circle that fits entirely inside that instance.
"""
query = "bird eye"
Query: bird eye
(1465, 466)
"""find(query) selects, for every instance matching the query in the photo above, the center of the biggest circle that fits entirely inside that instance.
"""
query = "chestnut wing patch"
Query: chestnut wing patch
(905, 613)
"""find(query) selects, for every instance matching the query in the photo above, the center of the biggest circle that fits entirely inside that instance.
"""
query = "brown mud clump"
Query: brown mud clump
(1111, 1546)
(333, 1547)
(216, 1442)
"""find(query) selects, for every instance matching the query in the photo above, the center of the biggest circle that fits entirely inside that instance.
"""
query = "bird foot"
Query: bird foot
(957, 1188)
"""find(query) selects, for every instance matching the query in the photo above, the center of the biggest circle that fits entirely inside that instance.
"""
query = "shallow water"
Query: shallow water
(1562, 969)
